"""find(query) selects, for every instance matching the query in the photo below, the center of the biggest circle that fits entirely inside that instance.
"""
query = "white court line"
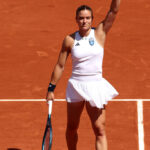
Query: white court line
(43, 100)
(140, 125)
(139, 112)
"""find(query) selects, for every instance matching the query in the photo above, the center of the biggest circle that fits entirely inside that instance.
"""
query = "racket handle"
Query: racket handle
(49, 107)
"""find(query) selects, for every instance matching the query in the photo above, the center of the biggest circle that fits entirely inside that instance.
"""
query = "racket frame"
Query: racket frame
(48, 126)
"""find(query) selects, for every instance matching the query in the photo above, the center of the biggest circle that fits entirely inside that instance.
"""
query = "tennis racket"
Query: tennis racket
(47, 138)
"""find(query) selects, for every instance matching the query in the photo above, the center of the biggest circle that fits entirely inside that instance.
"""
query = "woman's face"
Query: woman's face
(84, 20)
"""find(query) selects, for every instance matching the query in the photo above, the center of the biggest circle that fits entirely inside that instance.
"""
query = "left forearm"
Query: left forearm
(115, 6)
(111, 15)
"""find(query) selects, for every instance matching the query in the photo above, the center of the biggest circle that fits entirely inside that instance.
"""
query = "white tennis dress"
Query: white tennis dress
(86, 82)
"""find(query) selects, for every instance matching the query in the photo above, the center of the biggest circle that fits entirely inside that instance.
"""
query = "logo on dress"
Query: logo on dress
(77, 44)
(91, 41)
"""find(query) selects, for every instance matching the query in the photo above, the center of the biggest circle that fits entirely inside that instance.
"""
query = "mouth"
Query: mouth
(85, 25)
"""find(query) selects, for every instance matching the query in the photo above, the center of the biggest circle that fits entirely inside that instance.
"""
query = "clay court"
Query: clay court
(30, 40)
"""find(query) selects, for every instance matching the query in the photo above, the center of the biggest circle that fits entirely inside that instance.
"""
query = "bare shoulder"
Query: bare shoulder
(69, 41)
(100, 34)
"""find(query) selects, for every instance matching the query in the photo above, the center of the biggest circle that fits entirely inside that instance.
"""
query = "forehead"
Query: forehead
(85, 13)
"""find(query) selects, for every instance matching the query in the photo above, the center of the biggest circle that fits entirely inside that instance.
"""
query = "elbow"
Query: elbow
(61, 67)
(114, 10)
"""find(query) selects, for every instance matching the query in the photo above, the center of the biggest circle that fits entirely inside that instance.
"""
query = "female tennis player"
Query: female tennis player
(86, 87)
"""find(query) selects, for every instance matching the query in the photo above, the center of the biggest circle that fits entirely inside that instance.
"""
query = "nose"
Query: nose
(84, 20)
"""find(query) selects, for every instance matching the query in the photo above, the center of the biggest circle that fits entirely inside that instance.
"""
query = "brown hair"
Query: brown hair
(84, 7)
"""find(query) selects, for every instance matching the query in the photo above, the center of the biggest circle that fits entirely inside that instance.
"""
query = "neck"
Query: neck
(84, 32)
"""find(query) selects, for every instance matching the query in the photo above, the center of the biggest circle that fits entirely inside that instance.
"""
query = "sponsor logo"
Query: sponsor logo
(91, 41)
(77, 44)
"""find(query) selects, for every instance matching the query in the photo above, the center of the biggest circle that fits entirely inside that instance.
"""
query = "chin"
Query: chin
(85, 28)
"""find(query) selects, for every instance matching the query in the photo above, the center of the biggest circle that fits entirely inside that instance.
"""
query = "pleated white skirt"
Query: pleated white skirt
(97, 92)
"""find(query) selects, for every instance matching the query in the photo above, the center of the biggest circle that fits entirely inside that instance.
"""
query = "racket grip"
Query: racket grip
(49, 107)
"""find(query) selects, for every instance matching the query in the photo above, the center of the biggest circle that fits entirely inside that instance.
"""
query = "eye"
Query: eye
(88, 18)
(81, 18)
